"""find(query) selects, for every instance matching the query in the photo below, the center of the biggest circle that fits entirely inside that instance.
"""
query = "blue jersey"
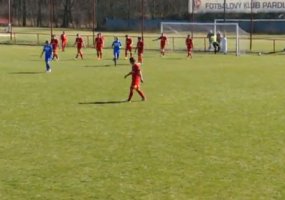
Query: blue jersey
(116, 45)
(48, 52)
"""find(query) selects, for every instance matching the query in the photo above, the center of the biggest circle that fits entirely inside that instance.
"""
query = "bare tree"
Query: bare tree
(39, 14)
(67, 14)
(24, 13)
(80, 12)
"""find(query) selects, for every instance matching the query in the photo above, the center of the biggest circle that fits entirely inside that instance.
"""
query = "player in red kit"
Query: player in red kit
(79, 45)
(128, 48)
(99, 44)
(63, 38)
(55, 46)
(189, 45)
(163, 42)
(137, 78)
(139, 49)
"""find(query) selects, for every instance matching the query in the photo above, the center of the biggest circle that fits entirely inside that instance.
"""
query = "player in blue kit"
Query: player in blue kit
(116, 49)
(47, 49)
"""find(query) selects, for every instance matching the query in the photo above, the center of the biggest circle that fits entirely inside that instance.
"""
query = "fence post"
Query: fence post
(173, 44)
(38, 39)
(14, 37)
(274, 49)
(205, 45)
(88, 41)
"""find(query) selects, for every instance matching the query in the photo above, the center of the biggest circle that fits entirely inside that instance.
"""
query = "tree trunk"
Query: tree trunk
(24, 12)
(39, 15)
(67, 17)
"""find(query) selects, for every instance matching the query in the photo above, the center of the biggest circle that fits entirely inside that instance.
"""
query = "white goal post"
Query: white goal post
(235, 35)
(248, 20)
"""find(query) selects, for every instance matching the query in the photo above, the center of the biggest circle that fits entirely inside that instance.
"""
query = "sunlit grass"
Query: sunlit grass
(212, 128)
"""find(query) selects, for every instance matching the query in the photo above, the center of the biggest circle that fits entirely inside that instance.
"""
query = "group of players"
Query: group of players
(51, 49)
(139, 48)
(116, 45)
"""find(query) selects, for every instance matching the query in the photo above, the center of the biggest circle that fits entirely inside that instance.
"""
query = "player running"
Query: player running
(140, 49)
(79, 45)
(128, 48)
(47, 49)
(137, 78)
(99, 44)
(189, 45)
(116, 45)
(55, 46)
(163, 41)
(63, 38)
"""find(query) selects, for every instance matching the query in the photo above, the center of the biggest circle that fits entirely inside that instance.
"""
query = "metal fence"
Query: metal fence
(261, 43)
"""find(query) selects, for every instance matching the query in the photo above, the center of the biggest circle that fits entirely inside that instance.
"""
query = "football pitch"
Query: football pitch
(212, 127)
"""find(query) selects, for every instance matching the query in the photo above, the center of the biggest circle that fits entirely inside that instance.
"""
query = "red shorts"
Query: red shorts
(189, 48)
(128, 48)
(136, 83)
(99, 48)
(55, 50)
(135, 86)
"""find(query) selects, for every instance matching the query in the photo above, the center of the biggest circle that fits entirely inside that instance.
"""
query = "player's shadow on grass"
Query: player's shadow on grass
(107, 65)
(26, 73)
(98, 66)
(107, 102)
(172, 58)
(104, 102)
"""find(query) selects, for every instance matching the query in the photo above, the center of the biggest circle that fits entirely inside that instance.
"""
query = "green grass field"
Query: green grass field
(212, 127)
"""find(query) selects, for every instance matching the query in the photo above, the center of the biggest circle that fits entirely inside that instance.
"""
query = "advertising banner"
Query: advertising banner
(236, 6)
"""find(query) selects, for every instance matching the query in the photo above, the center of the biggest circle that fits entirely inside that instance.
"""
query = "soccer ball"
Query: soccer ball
(259, 53)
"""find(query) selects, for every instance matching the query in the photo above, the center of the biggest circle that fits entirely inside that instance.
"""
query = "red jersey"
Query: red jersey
(129, 42)
(99, 41)
(63, 37)
(79, 42)
(163, 40)
(189, 43)
(140, 46)
(54, 43)
(136, 75)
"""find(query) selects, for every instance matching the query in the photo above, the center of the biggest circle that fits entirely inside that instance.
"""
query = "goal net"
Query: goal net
(260, 26)
(237, 39)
